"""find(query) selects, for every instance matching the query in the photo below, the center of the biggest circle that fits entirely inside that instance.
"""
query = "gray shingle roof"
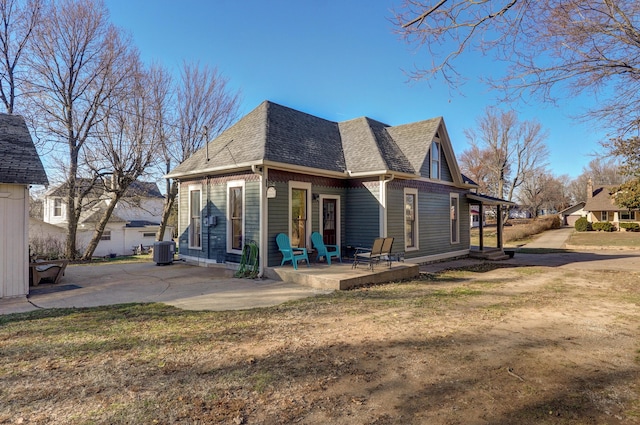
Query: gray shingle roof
(137, 188)
(279, 134)
(19, 160)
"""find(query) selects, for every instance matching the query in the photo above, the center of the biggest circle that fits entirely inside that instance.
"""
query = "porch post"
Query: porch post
(499, 225)
(480, 226)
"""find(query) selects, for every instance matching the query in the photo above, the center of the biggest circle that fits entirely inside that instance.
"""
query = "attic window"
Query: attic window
(435, 160)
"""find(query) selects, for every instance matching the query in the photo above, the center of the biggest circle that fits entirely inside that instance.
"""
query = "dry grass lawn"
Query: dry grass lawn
(527, 345)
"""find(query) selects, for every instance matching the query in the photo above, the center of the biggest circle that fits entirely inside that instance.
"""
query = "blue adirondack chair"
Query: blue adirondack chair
(326, 251)
(290, 254)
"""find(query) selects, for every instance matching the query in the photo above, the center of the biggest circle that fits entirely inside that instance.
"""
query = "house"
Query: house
(601, 206)
(570, 215)
(134, 221)
(20, 167)
(279, 170)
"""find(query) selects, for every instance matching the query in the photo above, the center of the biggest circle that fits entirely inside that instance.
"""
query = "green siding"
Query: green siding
(362, 215)
(434, 231)
(214, 201)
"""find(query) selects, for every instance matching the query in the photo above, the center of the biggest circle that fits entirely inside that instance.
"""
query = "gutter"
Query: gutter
(383, 206)
(263, 219)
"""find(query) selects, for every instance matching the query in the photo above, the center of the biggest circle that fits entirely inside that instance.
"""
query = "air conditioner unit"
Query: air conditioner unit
(163, 252)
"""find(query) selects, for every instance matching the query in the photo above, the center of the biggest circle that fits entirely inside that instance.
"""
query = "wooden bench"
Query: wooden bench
(47, 269)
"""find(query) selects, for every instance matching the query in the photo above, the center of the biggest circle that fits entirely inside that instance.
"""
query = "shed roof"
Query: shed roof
(20, 162)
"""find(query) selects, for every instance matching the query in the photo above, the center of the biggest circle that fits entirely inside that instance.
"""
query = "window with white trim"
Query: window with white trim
(57, 207)
(435, 160)
(106, 235)
(299, 218)
(235, 216)
(411, 219)
(454, 217)
(195, 217)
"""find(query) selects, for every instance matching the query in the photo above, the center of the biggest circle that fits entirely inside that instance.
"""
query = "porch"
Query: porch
(342, 276)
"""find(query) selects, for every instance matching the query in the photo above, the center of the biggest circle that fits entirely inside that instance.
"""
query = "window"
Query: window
(235, 216)
(455, 222)
(627, 215)
(435, 160)
(606, 215)
(106, 235)
(299, 223)
(195, 221)
(57, 207)
(411, 219)
(148, 235)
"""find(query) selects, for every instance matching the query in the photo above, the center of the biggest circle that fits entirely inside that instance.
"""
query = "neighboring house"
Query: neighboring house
(570, 215)
(279, 170)
(20, 166)
(134, 221)
(474, 216)
(518, 212)
(601, 206)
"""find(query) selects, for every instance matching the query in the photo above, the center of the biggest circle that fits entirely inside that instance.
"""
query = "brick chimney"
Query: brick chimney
(589, 188)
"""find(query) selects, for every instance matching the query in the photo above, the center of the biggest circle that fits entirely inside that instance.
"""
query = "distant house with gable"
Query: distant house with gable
(20, 167)
(601, 206)
(134, 221)
(279, 170)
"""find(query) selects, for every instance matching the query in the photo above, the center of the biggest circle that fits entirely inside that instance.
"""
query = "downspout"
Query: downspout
(263, 219)
(383, 206)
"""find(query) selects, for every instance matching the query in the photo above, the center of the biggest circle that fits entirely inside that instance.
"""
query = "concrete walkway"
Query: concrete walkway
(180, 285)
(552, 239)
(619, 260)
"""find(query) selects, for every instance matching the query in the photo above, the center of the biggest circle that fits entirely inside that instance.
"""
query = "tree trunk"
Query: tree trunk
(168, 205)
(72, 217)
(95, 240)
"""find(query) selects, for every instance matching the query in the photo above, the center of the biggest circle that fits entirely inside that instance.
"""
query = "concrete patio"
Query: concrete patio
(339, 276)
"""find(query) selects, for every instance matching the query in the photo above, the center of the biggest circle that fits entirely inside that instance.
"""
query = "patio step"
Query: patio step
(491, 255)
(342, 276)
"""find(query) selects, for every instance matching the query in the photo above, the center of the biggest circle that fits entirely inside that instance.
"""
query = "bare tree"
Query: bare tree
(543, 191)
(576, 45)
(129, 140)
(205, 106)
(79, 62)
(509, 150)
(601, 171)
(19, 19)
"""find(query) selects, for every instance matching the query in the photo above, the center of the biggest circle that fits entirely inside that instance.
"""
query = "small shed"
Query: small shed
(20, 166)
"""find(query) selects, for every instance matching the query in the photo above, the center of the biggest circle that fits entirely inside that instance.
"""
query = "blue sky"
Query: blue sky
(334, 59)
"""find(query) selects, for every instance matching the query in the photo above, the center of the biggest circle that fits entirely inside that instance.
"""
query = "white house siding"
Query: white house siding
(14, 233)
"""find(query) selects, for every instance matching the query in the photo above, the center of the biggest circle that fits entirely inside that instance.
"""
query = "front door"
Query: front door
(329, 221)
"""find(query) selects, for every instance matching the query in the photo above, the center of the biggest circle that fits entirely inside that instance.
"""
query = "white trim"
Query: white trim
(321, 216)
(455, 196)
(411, 191)
(193, 188)
(230, 184)
(307, 187)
